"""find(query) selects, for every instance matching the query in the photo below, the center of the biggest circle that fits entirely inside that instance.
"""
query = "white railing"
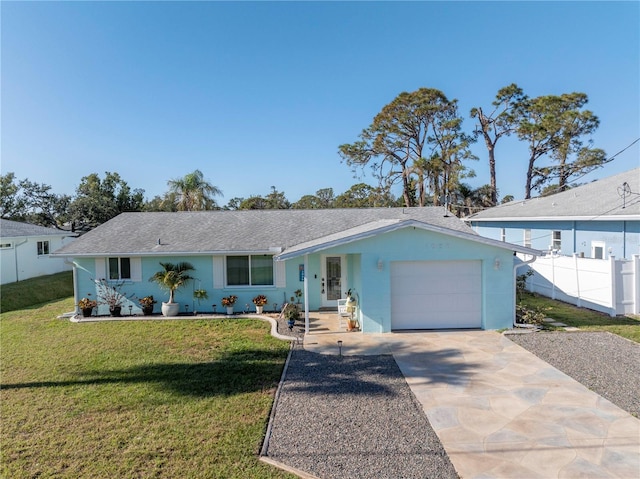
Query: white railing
(608, 285)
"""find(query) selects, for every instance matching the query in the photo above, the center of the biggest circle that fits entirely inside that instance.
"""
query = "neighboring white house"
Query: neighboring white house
(25, 250)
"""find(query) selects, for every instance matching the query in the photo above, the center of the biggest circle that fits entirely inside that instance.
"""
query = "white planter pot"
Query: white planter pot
(259, 309)
(170, 309)
(229, 310)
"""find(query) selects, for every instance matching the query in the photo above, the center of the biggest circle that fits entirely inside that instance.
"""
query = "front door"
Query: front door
(333, 280)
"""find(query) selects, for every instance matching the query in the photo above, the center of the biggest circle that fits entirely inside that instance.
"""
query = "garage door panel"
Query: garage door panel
(436, 294)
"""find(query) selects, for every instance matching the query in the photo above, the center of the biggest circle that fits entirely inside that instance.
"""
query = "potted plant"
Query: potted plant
(87, 305)
(199, 294)
(110, 293)
(298, 293)
(291, 313)
(259, 301)
(352, 323)
(146, 304)
(228, 302)
(172, 277)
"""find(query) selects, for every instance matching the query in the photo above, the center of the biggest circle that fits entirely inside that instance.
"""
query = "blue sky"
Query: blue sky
(261, 94)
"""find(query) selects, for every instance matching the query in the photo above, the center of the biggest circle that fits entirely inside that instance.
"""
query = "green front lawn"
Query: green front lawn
(585, 319)
(185, 398)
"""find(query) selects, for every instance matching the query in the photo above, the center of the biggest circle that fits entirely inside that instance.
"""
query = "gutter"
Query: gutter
(515, 274)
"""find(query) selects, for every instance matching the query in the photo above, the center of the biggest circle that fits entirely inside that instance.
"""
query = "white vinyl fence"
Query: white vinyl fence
(611, 285)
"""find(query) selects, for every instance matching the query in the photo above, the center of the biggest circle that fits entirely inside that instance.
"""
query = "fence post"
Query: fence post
(636, 283)
(575, 264)
(613, 280)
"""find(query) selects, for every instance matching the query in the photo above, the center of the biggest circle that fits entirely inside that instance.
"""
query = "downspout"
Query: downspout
(75, 284)
(515, 274)
(15, 256)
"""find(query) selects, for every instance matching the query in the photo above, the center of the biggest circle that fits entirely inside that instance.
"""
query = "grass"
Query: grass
(185, 398)
(24, 294)
(585, 319)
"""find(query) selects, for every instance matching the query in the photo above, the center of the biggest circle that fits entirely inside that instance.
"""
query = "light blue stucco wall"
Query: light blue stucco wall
(373, 286)
(622, 238)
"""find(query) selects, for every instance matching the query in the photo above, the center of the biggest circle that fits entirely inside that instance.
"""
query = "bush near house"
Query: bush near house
(136, 398)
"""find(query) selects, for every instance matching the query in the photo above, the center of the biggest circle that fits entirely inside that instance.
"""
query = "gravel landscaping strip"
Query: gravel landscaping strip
(353, 417)
(605, 363)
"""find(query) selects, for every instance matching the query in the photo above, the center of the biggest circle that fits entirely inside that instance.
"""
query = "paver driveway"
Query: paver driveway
(500, 411)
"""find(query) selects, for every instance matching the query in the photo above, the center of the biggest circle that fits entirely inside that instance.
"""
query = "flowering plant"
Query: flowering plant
(86, 303)
(260, 300)
(147, 301)
(229, 300)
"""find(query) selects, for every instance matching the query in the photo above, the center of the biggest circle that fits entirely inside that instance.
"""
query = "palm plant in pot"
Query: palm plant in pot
(172, 277)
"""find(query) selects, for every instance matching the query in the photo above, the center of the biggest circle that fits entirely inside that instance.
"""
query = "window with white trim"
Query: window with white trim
(556, 240)
(527, 239)
(43, 248)
(249, 270)
(119, 268)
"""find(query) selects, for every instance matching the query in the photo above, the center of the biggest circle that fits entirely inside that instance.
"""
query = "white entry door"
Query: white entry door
(436, 294)
(334, 279)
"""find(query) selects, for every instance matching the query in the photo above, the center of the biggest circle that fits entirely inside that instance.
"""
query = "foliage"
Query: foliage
(34, 291)
(194, 193)
(298, 294)
(417, 137)
(529, 316)
(173, 276)
(260, 300)
(31, 202)
(323, 199)
(229, 300)
(583, 318)
(552, 125)
(135, 398)
(147, 301)
(97, 201)
(275, 200)
(110, 292)
(521, 282)
(291, 311)
(86, 303)
(496, 124)
(200, 294)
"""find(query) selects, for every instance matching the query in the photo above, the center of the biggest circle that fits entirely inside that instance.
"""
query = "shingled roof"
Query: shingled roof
(210, 232)
(14, 229)
(606, 199)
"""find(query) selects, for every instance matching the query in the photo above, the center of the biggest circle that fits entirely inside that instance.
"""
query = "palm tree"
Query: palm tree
(173, 276)
(193, 192)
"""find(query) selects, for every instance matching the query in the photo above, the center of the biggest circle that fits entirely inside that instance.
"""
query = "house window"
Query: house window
(250, 270)
(119, 268)
(556, 240)
(503, 234)
(43, 248)
(5, 245)
(527, 239)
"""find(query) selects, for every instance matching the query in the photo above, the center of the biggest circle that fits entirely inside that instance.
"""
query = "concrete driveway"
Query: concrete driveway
(500, 411)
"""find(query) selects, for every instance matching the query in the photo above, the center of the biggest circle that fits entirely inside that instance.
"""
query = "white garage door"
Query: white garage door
(436, 294)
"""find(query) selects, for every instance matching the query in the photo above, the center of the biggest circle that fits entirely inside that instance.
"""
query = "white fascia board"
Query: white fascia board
(558, 218)
(404, 224)
(164, 253)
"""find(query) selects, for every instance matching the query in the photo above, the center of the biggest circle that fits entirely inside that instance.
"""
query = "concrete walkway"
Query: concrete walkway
(501, 412)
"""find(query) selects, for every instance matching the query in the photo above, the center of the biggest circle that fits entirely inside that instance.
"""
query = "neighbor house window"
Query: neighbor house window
(527, 239)
(250, 270)
(556, 240)
(43, 248)
(119, 268)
